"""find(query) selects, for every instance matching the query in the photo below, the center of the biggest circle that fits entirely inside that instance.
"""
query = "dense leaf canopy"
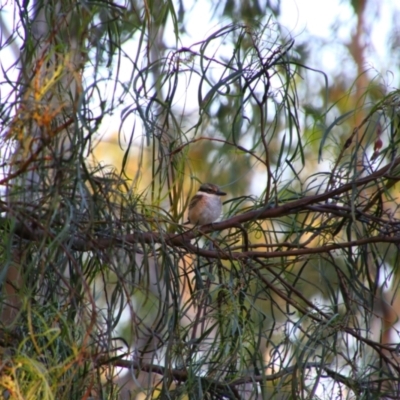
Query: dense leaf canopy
(106, 293)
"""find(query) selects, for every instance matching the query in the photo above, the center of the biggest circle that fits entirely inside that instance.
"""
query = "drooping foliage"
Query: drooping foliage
(107, 294)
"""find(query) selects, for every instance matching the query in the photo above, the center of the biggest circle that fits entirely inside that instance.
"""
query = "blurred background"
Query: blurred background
(112, 115)
(348, 47)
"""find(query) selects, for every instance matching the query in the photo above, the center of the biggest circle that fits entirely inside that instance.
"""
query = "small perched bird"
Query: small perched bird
(205, 206)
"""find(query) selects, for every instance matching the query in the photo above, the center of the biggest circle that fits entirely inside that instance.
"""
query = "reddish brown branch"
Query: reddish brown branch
(180, 375)
(183, 239)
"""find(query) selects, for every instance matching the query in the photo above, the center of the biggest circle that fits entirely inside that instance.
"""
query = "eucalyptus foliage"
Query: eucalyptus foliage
(106, 293)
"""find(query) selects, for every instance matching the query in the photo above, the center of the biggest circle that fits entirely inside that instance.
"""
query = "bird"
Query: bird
(205, 206)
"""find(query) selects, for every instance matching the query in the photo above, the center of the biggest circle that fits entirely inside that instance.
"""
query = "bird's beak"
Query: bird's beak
(219, 193)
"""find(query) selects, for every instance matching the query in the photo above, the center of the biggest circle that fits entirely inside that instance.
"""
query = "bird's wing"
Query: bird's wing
(195, 199)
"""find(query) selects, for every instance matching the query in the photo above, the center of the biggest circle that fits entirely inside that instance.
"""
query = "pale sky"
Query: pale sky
(302, 18)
